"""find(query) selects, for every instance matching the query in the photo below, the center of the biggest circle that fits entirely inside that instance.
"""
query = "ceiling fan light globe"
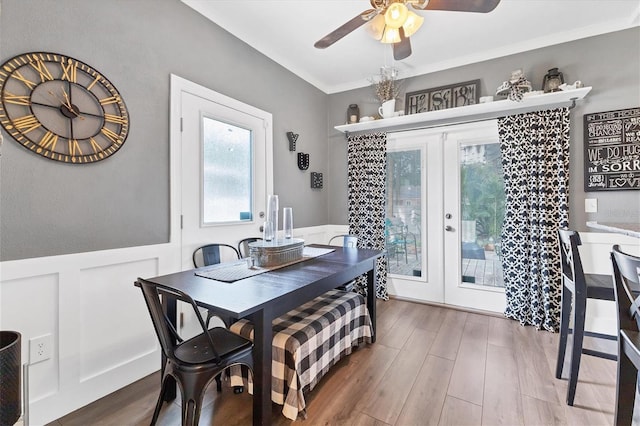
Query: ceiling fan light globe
(396, 15)
(391, 35)
(376, 27)
(412, 24)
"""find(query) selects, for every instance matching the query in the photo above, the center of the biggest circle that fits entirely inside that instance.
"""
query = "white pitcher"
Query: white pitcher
(387, 109)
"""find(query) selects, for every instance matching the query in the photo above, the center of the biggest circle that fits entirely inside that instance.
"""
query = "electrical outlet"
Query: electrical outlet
(40, 348)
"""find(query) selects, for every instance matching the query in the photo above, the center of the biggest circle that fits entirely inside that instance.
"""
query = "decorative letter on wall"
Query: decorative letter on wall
(316, 180)
(293, 137)
(303, 161)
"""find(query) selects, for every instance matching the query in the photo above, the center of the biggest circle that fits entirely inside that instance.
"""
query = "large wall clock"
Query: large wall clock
(61, 108)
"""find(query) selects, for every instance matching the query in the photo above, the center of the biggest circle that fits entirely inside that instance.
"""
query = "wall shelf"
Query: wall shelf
(470, 113)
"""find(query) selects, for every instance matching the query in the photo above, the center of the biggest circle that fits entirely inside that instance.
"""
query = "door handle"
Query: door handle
(449, 228)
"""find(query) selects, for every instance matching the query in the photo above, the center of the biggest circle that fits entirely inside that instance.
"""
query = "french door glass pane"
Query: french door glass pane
(482, 211)
(227, 173)
(403, 212)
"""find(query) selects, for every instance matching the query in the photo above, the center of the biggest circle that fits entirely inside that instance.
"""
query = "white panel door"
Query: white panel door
(226, 170)
(473, 212)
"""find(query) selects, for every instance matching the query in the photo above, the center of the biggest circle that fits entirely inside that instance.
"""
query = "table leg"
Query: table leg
(262, 342)
(372, 284)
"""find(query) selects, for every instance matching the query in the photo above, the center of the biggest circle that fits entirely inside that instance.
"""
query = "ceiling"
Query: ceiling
(285, 31)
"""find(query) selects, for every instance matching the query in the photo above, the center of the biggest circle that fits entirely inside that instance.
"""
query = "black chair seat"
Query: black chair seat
(197, 350)
(599, 287)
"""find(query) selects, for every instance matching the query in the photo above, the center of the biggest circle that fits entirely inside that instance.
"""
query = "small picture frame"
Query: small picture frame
(443, 97)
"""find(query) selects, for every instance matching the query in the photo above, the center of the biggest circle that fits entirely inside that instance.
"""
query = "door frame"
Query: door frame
(179, 85)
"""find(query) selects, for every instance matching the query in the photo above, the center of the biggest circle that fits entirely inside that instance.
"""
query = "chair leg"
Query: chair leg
(219, 382)
(579, 310)
(626, 388)
(156, 412)
(565, 311)
(193, 388)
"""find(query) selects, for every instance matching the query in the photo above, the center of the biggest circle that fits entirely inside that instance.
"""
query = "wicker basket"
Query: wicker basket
(274, 253)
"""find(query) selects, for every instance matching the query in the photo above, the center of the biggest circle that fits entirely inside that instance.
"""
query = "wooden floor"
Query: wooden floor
(429, 366)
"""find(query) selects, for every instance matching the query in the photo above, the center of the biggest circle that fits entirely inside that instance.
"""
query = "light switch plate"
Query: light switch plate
(591, 205)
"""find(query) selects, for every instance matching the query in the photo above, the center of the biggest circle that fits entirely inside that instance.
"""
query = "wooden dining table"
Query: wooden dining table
(262, 298)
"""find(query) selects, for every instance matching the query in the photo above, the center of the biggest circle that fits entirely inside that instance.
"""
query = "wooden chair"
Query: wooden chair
(578, 286)
(194, 362)
(626, 275)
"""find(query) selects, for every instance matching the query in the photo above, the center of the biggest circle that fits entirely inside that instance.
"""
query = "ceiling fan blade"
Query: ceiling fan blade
(480, 6)
(345, 29)
(402, 49)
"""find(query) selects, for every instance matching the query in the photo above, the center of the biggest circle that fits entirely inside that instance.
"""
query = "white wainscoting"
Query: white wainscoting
(102, 336)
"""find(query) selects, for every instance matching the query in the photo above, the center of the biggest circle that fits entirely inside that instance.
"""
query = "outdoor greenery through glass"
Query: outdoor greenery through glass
(227, 172)
(482, 212)
(403, 212)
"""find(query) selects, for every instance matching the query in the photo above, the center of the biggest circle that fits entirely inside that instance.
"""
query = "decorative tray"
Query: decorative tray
(277, 252)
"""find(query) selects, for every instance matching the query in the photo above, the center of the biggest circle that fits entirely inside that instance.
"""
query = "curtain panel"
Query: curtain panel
(366, 177)
(535, 160)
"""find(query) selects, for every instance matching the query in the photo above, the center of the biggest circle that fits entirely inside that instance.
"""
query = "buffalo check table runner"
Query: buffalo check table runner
(307, 341)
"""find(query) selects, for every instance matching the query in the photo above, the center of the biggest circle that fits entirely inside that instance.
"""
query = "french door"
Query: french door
(445, 201)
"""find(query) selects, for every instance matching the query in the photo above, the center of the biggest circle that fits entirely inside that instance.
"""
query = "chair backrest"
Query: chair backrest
(347, 240)
(210, 254)
(570, 259)
(243, 245)
(167, 334)
(626, 276)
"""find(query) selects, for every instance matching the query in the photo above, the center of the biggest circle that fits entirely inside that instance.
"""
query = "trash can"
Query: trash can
(10, 363)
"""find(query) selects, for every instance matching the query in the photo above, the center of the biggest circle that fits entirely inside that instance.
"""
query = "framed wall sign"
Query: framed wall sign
(612, 150)
(443, 97)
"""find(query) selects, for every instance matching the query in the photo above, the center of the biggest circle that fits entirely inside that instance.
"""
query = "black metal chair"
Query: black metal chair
(243, 245)
(211, 254)
(578, 286)
(195, 362)
(346, 240)
(626, 275)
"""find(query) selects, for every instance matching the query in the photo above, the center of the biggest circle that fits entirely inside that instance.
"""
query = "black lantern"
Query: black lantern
(353, 114)
(552, 81)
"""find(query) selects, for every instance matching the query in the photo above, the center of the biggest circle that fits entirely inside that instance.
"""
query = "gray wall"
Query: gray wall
(50, 208)
(609, 63)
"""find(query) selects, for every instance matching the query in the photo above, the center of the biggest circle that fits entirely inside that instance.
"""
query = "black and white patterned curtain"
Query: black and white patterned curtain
(367, 163)
(535, 159)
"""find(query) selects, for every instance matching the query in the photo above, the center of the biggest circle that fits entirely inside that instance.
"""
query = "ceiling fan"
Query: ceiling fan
(393, 22)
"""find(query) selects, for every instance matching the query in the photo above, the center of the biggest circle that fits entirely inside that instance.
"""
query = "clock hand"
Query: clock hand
(69, 105)
(58, 98)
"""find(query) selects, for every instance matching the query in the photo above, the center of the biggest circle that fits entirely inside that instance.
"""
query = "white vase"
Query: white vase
(387, 109)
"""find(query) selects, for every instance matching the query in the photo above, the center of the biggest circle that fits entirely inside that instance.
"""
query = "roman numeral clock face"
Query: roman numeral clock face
(61, 108)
